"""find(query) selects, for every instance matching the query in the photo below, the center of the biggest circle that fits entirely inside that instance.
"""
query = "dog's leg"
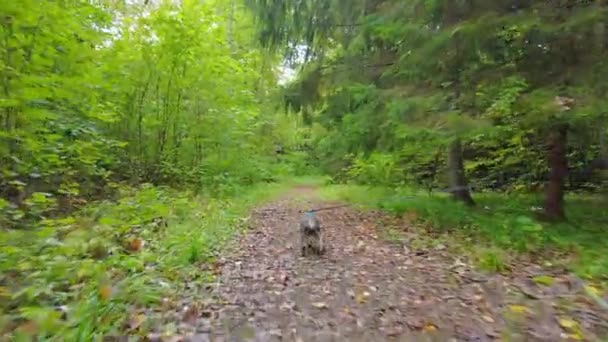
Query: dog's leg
(321, 245)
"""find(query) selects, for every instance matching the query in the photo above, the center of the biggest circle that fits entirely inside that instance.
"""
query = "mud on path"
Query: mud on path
(367, 289)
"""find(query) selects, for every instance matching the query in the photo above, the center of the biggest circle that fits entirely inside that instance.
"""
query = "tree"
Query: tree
(155, 92)
(388, 64)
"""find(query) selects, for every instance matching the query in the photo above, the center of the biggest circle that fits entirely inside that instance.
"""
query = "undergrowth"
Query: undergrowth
(500, 225)
(76, 278)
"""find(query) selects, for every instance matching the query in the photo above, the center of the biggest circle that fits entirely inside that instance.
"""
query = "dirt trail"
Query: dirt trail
(366, 289)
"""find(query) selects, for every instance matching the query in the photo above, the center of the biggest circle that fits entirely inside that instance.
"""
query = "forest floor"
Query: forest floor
(367, 288)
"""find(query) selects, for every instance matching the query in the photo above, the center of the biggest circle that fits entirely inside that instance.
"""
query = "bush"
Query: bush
(77, 277)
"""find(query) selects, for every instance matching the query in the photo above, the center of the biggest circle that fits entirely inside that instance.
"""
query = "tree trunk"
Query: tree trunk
(230, 30)
(458, 183)
(558, 171)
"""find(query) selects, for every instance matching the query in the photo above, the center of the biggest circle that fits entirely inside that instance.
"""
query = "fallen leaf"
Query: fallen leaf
(595, 294)
(191, 314)
(488, 319)
(360, 298)
(519, 309)
(287, 306)
(593, 290)
(216, 268)
(576, 336)
(136, 320)
(568, 323)
(394, 332)
(276, 333)
(136, 245)
(105, 292)
(544, 280)
(319, 305)
(359, 323)
(429, 327)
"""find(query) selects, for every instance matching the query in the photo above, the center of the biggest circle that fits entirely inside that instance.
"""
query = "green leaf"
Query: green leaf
(544, 280)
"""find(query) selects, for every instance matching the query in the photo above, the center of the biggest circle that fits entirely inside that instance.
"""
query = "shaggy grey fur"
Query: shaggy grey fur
(310, 235)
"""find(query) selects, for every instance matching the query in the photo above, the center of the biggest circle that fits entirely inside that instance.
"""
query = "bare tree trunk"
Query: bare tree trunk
(9, 122)
(231, 28)
(458, 183)
(140, 119)
(558, 171)
(177, 136)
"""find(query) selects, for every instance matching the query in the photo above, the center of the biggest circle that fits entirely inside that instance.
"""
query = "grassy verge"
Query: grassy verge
(501, 225)
(81, 277)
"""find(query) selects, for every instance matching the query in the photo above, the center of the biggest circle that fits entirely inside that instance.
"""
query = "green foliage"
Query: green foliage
(126, 102)
(106, 109)
(377, 168)
(67, 262)
(166, 93)
(544, 280)
(499, 223)
(50, 105)
(491, 260)
(401, 79)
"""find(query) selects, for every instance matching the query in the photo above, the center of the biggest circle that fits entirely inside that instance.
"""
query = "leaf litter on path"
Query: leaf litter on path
(367, 289)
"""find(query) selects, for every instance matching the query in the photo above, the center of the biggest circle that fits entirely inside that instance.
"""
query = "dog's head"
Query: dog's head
(310, 223)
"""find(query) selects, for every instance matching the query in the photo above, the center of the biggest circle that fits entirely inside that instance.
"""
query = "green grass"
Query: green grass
(81, 263)
(501, 222)
(312, 180)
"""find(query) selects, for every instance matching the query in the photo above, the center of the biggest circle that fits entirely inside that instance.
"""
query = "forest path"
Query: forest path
(367, 289)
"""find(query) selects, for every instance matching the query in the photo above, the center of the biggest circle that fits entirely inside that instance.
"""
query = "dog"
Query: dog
(311, 239)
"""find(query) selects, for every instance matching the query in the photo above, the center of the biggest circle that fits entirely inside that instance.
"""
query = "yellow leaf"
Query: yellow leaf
(568, 323)
(430, 327)
(593, 290)
(4, 292)
(576, 336)
(519, 309)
